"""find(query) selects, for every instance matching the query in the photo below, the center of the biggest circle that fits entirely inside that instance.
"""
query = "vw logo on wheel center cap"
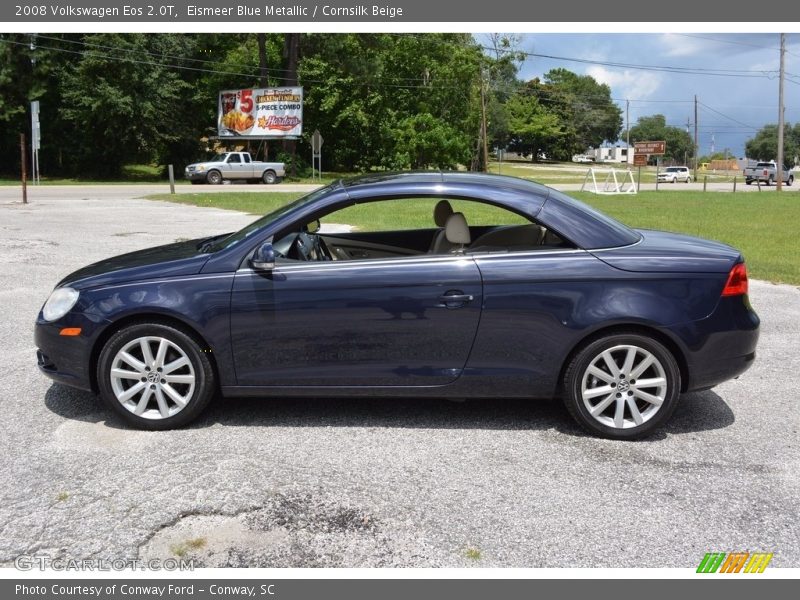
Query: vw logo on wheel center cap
(623, 386)
(152, 377)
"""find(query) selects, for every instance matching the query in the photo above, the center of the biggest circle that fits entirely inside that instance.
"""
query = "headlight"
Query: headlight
(200, 168)
(59, 303)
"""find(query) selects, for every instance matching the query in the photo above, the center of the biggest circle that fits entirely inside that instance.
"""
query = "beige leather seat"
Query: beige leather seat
(456, 232)
(441, 212)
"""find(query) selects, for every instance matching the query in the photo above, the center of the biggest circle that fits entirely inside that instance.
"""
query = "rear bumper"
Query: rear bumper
(721, 346)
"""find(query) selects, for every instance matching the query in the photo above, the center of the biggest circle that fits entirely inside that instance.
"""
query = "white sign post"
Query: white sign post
(316, 153)
(36, 141)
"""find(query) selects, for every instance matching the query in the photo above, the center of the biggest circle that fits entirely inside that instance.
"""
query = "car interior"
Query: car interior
(450, 233)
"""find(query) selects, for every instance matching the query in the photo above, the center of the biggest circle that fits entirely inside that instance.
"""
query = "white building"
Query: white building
(611, 154)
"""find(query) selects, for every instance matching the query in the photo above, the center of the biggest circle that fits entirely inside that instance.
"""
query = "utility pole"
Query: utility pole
(628, 130)
(484, 133)
(695, 138)
(779, 181)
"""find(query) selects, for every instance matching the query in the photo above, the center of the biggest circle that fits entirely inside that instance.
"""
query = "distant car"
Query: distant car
(675, 174)
(234, 166)
(767, 172)
(509, 290)
(582, 158)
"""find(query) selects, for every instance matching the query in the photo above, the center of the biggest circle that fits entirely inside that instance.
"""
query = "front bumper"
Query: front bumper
(66, 359)
(195, 175)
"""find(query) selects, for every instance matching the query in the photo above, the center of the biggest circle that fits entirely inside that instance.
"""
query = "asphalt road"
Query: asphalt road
(372, 482)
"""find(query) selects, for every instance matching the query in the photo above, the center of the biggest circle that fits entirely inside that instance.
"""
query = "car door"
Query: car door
(407, 321)
(234, 166)
(248, 169)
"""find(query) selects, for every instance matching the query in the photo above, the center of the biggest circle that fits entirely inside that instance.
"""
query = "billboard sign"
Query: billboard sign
(261, 112)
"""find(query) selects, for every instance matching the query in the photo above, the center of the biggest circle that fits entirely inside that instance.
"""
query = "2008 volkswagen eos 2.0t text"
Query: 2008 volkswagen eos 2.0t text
(452, 285)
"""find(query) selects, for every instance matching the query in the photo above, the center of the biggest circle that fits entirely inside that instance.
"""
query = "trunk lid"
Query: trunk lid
(665, 252)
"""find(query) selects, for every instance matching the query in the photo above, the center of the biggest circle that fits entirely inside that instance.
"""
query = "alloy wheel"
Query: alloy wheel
(152, 377)
(624, 386)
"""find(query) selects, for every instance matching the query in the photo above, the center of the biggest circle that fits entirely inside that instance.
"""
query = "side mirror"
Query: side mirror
(264, 257)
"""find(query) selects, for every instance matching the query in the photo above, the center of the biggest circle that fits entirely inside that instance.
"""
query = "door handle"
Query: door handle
(455, 299)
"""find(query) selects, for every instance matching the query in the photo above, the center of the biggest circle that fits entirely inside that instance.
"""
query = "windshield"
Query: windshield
(217, 158)
(276, 214)
(672, 170)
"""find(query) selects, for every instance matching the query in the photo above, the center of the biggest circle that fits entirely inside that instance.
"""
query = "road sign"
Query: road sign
(640, 160)
(649, 147)
(316, 141)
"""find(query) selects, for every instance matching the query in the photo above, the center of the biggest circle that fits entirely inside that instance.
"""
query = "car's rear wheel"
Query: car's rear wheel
(791, 180)
(689, 179)
(269, 177)
(214, 177)
(155, 376)
(622, 386)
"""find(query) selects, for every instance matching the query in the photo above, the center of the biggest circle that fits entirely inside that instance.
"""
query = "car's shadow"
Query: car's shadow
(700, 411)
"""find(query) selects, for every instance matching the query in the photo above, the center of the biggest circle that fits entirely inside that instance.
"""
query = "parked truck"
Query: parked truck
(767, 172)
(234, 166)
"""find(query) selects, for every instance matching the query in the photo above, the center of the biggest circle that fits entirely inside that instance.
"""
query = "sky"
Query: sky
(731, 109)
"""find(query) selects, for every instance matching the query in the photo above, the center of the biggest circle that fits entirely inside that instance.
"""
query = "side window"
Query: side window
(234, 158)
(416, 226)
(247, 158)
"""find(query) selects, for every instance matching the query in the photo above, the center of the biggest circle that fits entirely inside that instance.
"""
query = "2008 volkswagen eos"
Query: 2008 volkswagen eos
(506, 288)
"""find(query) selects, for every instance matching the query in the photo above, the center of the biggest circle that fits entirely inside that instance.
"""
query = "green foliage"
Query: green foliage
(680, 145)
(585, 108)
(381, 101)
(764, 146)
(533, 127)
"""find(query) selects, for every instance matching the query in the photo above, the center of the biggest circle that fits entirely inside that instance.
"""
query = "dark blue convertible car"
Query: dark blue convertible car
(502, 288)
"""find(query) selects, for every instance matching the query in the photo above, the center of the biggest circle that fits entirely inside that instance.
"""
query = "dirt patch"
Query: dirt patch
(289, 531)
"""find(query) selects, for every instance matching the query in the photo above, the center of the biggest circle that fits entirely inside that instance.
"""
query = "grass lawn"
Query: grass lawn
(764, 227)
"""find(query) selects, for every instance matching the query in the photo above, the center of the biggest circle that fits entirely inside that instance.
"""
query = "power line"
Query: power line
(760, 74)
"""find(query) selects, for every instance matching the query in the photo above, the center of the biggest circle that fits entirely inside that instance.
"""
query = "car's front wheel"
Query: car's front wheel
(155, 376)
(214, 177)
(622, 386)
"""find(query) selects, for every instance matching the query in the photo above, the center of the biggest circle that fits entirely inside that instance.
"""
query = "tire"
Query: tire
(790, 181)
(161, 404)
(748, 181)
(214, 178)
(770, 181)
(689, 179)
(589, 372)
(269, 177)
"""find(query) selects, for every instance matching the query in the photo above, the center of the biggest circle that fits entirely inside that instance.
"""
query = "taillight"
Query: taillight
(737, 281)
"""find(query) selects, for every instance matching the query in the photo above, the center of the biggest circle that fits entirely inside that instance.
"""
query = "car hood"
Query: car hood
(181, 258)
(665, 252)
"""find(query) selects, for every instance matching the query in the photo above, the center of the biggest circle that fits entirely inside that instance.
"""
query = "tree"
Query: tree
(588, 114)
(764, 146)
(680, 145)
(532, 127)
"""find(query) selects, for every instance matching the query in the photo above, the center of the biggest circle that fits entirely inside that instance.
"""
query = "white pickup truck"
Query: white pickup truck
(767, 172)
(234, 166)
